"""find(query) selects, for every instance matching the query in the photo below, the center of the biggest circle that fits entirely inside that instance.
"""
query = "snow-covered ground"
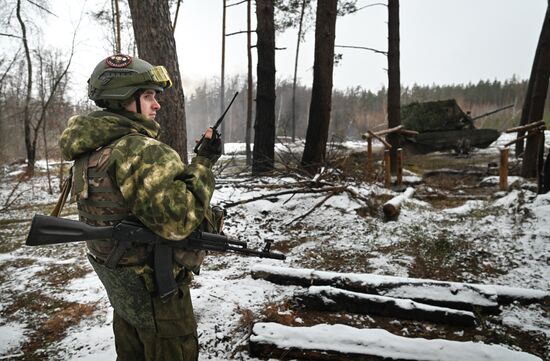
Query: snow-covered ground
(505, 240)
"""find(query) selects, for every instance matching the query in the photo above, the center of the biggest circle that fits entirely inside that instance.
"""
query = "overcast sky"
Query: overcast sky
(442, 41)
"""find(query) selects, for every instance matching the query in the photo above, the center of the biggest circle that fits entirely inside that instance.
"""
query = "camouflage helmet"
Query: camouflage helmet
(119, 76)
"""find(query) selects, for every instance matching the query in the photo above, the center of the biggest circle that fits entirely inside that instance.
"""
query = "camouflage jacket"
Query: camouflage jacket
(167, 196)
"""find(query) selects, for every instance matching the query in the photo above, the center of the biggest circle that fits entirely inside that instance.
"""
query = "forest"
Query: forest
(317, 222)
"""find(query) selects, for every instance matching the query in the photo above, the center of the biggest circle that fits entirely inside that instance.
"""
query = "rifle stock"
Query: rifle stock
(52, 230)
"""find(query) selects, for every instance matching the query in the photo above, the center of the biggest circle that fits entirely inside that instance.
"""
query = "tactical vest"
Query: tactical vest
(100, 203)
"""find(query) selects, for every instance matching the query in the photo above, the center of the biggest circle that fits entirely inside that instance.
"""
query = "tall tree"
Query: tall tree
(264, 126)
(249, 82)
(394, 80)
(520, 145)
(295, 80)
(222, 76)
(31, 151)
(321, 92)
(532, 163)
(156, 44)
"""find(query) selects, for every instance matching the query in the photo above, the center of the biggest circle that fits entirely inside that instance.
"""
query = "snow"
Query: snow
(11, 336)
(465, 208)
(409, 287)
(406, 304)
(512, 236)
(396, 201)
(380, 343)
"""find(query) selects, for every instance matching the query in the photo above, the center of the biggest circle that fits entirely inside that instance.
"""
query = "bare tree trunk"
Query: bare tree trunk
(394, 80)
(117, 27)
(321, 93)
(222, 77)
(249, 90)
(31, 151)
(527, 104)
(298, 41)
(50, 190)
(156, 44)
(264, 126)
(531, 165)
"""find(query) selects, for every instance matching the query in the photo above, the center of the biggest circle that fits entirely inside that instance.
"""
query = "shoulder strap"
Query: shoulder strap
(65, 190)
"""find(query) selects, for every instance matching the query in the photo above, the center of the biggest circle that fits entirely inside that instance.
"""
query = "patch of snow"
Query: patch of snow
(381, 343)
(12, 335)
(466, 207)
(531, 318)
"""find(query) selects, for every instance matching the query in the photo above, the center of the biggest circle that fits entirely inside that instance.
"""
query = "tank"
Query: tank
(443, 125)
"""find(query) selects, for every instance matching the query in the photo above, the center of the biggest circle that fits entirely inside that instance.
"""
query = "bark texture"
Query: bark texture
(264, 126)
(394, 80)
(321, 93)
(156, 44)
(531, 159)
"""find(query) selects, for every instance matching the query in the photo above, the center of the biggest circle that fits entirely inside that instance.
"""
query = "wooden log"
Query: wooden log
(525, 127)
(382, 140)
(463, 296)
(389, 130)
(387, 169)
(503, 168)
(341, 342)
(327, 298)
(408, 132)
(530, 133)
(392, 208)
(399, 167)
(369, 157)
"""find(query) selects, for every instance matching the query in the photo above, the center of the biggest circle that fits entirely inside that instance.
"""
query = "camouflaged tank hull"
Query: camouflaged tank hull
(427, 142)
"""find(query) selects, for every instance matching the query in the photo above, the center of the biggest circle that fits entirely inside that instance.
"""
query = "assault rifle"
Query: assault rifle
(215, 126)
(53, 230)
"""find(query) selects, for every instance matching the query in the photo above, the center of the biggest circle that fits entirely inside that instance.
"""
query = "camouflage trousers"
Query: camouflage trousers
(133, 344)
(146, 327)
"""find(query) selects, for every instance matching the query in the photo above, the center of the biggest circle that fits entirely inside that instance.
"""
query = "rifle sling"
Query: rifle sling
(118, 251)
(65, 190)
(163, 264)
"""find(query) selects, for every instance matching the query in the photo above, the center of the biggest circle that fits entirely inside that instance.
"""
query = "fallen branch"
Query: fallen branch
(275, 194)
(11, 197)
(332, 193)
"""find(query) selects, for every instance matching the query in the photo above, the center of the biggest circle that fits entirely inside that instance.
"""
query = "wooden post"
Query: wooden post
(387, 169)
(503, 170)
(369, 157)
(399, 166)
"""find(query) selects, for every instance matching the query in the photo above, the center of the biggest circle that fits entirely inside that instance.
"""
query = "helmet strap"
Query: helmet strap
(137, 98)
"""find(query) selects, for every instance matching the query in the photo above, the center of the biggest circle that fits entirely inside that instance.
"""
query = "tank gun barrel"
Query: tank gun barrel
(492, 112)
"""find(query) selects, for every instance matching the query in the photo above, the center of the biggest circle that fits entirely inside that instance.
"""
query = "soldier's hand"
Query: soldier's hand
(211, 146)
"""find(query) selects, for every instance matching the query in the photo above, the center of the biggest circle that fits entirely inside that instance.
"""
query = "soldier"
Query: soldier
(121, 171)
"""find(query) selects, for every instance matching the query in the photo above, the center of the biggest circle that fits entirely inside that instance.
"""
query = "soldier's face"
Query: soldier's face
(149, 104)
